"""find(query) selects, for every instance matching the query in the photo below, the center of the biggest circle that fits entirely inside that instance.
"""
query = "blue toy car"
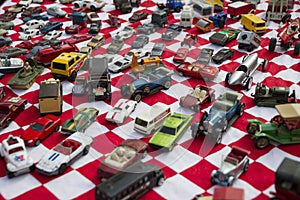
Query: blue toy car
(219, 19)
(36, 16)
(50, 26)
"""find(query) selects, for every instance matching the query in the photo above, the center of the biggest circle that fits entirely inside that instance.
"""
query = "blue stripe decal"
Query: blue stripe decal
(55, 157)
(51, 156)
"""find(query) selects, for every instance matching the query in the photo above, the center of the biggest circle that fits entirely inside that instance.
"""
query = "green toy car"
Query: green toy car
(283, 128)
(224, 36)
(171, 131)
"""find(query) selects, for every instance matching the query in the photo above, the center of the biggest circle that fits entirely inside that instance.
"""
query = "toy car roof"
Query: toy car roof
(289, 170)
(228, 193)
(289, 111)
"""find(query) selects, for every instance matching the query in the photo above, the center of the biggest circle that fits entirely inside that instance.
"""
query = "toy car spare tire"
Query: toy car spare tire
(297, 48)
(272, 44)
(262, 142)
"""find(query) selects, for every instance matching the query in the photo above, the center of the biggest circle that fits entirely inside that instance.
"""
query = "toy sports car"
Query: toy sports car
(222, 55)
(64, 154)
(121, 110)
(224, 36)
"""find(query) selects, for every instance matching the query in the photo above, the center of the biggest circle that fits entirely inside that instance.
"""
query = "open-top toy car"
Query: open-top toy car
(200, 95)
(283, 128)
(224, 36)
(17, 159)
(127, 153)
(234, 164)
(121, 110)
(56, 160)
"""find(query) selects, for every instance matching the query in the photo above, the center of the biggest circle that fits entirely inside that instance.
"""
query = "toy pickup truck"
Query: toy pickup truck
(147, 84)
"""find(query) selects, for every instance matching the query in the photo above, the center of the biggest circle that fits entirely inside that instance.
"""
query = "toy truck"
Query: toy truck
(171, 5)
(186, 17)
(219, 19)
(202, 8)
(236, 9)
(159, 18)
(248, 40)
(50, 97)
(126, 5)
(276, 9)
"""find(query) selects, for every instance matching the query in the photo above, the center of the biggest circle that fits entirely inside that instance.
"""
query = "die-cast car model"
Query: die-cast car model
(25, 3)
(234, 164)
(114, 20)
(29, 44)
(205, 56)
(6, 25)
(204, 24)
(171, 131)
(10, 109)
(119, 65)
(283, 128)
(9, 65)
(138, 16)
(28, 34)
(115, 46)
(50, 26)
(5, 41)
(93, 5)
(16, 8)
(200, 95)
(52, 35)
(189, 39)
(95, 28)
(148, 84)
(73, 29)
(77, 38)
(202, 71)
(56, 160)
(56, 11)
(180, 55)
(141, 53)
(146, 29)
(80, 86)
(93, 17)
(224, 36)
(36, 16)
(172, 31)
(248, 40)
(128, 152)
(8, 16)
(242, 75)
(81, 120)
(121, 110)
(40, 129)
(224, 112)
(31, 10)
(125, 33)
(222, 55)
(96, 41)
(17, 159)
(140, 42)
(158, 49)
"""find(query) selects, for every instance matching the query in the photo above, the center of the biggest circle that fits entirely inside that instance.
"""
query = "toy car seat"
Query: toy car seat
(202, 94)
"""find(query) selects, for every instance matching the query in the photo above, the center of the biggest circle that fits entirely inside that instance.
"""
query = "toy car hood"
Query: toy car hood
(226, 167)
(30, 134)
(19, 159)
(237, 78)
(115, 115)
(52, 161)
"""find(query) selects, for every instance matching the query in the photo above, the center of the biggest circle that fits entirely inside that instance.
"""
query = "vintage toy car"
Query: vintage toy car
(202, 71)
(172, 31)
(56, 11)
(93, 17)
(146, 29)
(119, 65)
(80, 86)
(28, 34)
(6, 25)
(199, 95)
(40, 129)
(159, 78)
(205, 56)
(138, 16)
(25, 3)
(36, 16)
(248, 40)
(223, 113)
(159, 18)
(50, 26)
(180, 55)
(29, 44)
(12, 52)
(2, 93)
(204, 24)
(17, 159)
(5, 41)
(10, 109)
(81, 120)
(8, 16)
(77, 38)
(31, 10)
(158, 49)
(121, 110)
(236, 9)
(9, 65)
(73, 29)
(234, 164)
(140, 42)
(125, 33)
(52, 35)
(141, 54)
(93, 5)
(115, 46)
(186, 17)
(171, 131)
(270, 97)
(283, 128)
(224, 36)
(242, 75)
(95, 28)
(222, 55)
(17, 8)
(114, 20)
(127, 153)
(253, 23)
(96, 41)
(68, 151)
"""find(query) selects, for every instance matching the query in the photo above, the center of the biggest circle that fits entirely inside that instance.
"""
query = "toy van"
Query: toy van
(202, 8)
(151, 120)
(186, 17)
(253, 23)
(159, 18)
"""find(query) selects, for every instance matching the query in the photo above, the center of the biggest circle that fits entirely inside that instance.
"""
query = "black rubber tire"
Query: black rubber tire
(262, 142)
(62, 168)
(228, 75)
(86, 150)
(221, 23)
(246, 166)
(167, 84)
(56, 129)
(297, 48)
(137, 97)
(160, 181)
(37, 142)
(73, 76)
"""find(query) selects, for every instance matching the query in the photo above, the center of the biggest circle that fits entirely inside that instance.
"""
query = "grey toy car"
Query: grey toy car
(56, 11)
(172, 31)
(140, 42)
(6, 25)
(146, 29)
(115, 46)
(158, 49)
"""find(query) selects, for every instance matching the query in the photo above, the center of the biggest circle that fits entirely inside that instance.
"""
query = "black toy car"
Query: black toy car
(222, 55)
(205, 56)
(94, 28)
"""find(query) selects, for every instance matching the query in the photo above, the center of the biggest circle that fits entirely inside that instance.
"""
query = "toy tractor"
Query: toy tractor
(189, 39)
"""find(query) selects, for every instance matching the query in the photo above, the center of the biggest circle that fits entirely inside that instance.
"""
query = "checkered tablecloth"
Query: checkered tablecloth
(187, 173)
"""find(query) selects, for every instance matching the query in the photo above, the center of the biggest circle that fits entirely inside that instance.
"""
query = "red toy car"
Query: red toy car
(10, 109)
(129, 152)
(200, 95)
(74, 28)
(138, 16)
(203, 71)
(77, 38)
(8, 17)
(181, 55)
(40, 129)
(29, 44)
(31, 10)
(114, 20)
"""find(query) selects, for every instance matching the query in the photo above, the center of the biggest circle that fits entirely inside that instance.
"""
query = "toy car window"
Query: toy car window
(14, 150)
(37, 127)
(168, 130)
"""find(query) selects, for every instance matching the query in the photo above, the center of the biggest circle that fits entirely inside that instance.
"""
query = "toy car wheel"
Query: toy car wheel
(195, 133)
(288, 45)
(56, 129)
(212, 97)
(250, 48)
(10, 174)
(177, 9)
(228, 75)
(76, 5)
(246, 166)
(230, 181)
(32, 167)
(221, 23)
(249, 83)
(167, 84)
(160, 181)
(93, 8)
(62, 168)
(7, 123)
(145, 153)
(147, 89)
(219, 138)
(37, 142)
(212, 181)
(241, 109)
(137, 97)
(86, 150)
(73, 76)
(262, 142)
(297, 48)
(264, 64)
(272, 44)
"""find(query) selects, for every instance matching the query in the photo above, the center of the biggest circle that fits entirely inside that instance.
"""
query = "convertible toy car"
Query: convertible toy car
(242, 75)
(234, 164)
(171, 131)
(200, 95)
(81, 120)
(283, 128)
(128, 152)
(40, 129)
(10, 109)
(270, 97)
(10, 65)
(56, 160)
(121, 110)
(17, 159)
(224, 36)
(224, 112)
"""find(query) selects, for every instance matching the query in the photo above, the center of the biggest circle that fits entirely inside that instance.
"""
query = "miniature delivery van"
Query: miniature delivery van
(253, 23)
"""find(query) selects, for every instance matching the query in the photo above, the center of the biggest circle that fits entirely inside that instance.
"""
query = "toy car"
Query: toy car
(205, 56)
(6, 25)
(200, 95)
(202, 71)
(28, 34)
(224, 36)
(223, 113)
(172, 130)
(52, 35)
(242, 75)
(56, 11)
(270, 97)
(158, 49)
(121, 110)
(29, 44)
(204, 24)
(73, 29)
(93, 5)
(31, 10)
(222, 55)
(56, 160)
(10, 65)
(253, 23)
(95, 28)
(40, 129)
(148, 84)
(96, 41)
(93, 17)
(236, 9)
(172, 31)
(8, 17)
(10, 109)
(248, 40)
(140, 42)
(80, 86)
(234, 164)
(12, 52)
(81, 120)
(119, 65)
(25, 3)
(50, 26)
(114, 20)
(138, 16)
(146, 29)
(125, 33)
(77, 38)
(36, 16)
(5, 41)
(17, 159)
(180, 55)
(16, 8)
(115, 46)
(283, 128)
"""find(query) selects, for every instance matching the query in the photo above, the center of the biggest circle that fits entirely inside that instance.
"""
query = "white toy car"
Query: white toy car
(52, 35)
(32, 24)
(63, 155)
(28, 34)
(93, 5)
(25, 2)
(142, 53)
(121, 110)
(125, 33)
(17, 160)
(119, 65)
